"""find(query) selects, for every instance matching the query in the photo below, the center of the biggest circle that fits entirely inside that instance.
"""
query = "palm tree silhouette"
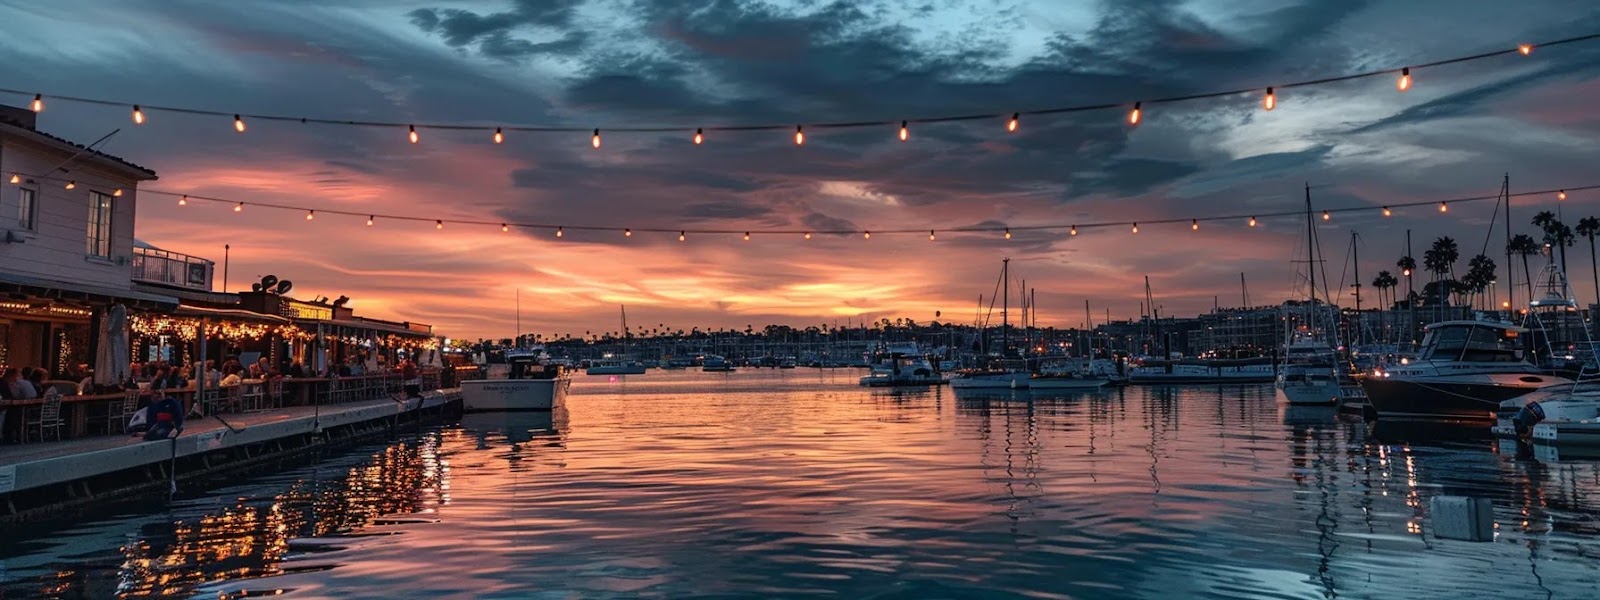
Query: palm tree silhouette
(1385, 283)
(1589, 227)
(1480, 275)
(1440, 260)
(1557, 234)
(1524, 246)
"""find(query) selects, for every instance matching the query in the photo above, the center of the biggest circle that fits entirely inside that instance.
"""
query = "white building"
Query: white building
(66, 244)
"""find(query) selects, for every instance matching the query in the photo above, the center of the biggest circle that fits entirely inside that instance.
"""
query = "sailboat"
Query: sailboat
(1309, 373)
(619, 364)
(998, 374)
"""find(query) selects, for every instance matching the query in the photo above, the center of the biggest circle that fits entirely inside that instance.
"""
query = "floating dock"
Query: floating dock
(37, 480)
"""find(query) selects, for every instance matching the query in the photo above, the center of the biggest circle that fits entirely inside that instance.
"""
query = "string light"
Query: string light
(1525, 49)
(1194, 224)
(1252, 221)
(558, 232)
(369, 220)
(1073, 230)
(438, 224)
(1326, 216)
(1008, 233)
(238, 207)
(71, 184)
(1011, 126)
(808, 235)
(1133, 115)
(38, 103)
(930, 235)
(504, 228)
(1387, 212)
(1561, 195)
(1405, 80)
(1444, 207)
(1136, 228)
(1270, 101)
(682, 235)
(905, 132)
(238, 124)
(116, 193)
(866, 235)
(498, 136)
(627, 233)
(311, 214)
(413, 133)
(595, 141)
(699, 136)
(183, 201)
(799, 136)
(746, 236)
(138, 115)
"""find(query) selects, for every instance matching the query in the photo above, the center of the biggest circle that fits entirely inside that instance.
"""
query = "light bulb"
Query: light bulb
(1011, 125)
(413, 133)
(1561, 195)
(799, 136)
(117, 193)
(905, 133)
(1387, 212)
(499, 137)
(71, 184)
(238, 124)
(595, 141)
(681, 236)
(1194, 224)
(1252, 221)
(138, 115)
(369, 220)
(558, 232)
(504, 228)
(1133, 115)
(808, 235)
(1406, 272)
(183, 200)
(311, 214)
(746, 236)
(1073, 230)
(930, 235)
(438, 224)
(1008, 233)
(1326, 216)
(1405, 80)
(16, 178)
(38, 102)
(866, 235)
(1444, 207)
(238, 207)
(1270, 101)
(699, 136)
(1525, 49)
(627, 233)
(1136, 228)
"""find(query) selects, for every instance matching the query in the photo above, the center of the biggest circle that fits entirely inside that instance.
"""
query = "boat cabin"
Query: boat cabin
(1473, 341)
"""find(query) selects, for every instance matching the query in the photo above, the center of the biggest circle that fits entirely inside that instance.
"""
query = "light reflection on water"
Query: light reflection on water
(791, 483)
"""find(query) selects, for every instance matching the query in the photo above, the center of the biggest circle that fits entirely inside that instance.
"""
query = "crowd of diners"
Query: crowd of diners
(26, 383)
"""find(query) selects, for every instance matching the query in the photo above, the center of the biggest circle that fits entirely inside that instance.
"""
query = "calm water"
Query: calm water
(798, 483)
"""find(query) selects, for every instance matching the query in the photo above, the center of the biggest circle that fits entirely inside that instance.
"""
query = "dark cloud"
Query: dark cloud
(821, 222)
(492, 33)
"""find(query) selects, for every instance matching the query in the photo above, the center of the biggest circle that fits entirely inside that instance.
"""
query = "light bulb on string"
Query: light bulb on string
(1270, 101)
(1561, 195)
(311, 214)
(558, 232)
(1008, 233)
(1134, 115)
(71, 184)
(1194, 224)
(1252, 221)
(1444, 207)
(681, 236)
(238, 207)
(438, 224)
(905, 132)
(138, 115)
(413, 133)
(38, 103)
(499, 137)
(746, 236)
(595, 141)
(1326, 216)
(16, 178)
(866, 235)
(238, 124)
(1387, 212)
(1073, 230)
(1405, 80)
(627, 233)
(1136, 228)
(930, 235)
(1011, 126)
(183, 200)
(808, 235)
(504, 228)
(799, 136)
(699, 136)
(1525, 49)
(369, 220)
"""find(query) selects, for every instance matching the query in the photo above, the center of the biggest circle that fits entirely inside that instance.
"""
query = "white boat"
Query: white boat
(1309, 375)
(896, 369)
(982, 379)
(1068, 375)
(616, 366)
(1208, 372)
(715, 364)
(1465, 371)
(522, 382)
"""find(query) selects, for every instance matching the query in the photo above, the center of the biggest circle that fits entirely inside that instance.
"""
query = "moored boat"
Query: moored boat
(522, 382)
(1465, 370)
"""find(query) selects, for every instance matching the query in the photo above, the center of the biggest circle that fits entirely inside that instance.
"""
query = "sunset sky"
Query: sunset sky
(643, 63)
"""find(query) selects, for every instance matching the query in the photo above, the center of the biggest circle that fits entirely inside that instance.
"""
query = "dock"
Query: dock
(37, 480)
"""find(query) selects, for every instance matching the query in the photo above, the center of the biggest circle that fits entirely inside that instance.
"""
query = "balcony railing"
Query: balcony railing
(151, 265)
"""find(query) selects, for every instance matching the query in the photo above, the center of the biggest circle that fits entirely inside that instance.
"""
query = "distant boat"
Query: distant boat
(521, 382)
(620, 364)
(1203, 372)
(1072, 375)
(899, 369)
(715, 364)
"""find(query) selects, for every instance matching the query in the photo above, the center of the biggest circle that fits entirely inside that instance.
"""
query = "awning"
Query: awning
(93, 294)
(367, 325)
(229, 314)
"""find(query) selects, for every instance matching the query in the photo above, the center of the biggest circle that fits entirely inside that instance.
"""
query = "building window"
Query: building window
(27, 209)
(99, 225)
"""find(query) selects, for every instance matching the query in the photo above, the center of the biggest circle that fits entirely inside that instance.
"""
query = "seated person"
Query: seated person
(166, 417)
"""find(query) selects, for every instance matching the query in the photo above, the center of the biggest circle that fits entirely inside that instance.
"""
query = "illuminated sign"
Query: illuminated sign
(307, 310)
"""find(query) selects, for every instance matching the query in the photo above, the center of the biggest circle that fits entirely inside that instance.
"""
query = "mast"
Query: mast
(518, 342)
(624, 328)
(1511, 284)
(1088, 332)
(1411, 325)
(1311, 261)
(1005, 303)
(1355, 260)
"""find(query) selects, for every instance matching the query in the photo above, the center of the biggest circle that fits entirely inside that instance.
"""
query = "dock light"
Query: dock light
(311, 214)
(1525, 49)
(138, 115)
(71, 184)
(905, 133)
(438, 224)
(1252, 221)
(1387, 212)
(504, 228)
(238, 207)
(1561, 195)
(1444, 207)
(627, 233)
(499, 137)
(681, 236)
(38, 103)
(1136, 228)
(1270, 101)
(699, 136)
(1194, 225)
(1405, 80)
(238, 124)
(595, 141)
(1505, 304)
(1133, 116)
(413, 133)
(1326, 216)
(799, 136)
(369, 220)
(183, 200)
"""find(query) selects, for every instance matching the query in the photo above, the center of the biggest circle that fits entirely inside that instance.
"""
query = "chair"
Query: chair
(116, 415)
(232, 400)
(272, 396)
(49, 418)
(252, 396)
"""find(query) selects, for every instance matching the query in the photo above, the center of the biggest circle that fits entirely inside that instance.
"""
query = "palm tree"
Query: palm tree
(1480, 275)
(1440, 259)
(1557, 234)
(1385, 283)
(1523, 245)
(1589, 227)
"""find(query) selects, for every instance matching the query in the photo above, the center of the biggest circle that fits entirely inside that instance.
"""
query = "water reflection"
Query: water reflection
(780, 484)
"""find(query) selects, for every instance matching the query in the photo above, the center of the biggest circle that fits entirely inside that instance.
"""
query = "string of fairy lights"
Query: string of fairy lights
(1135, 115)
(1135, 109)
(1251, 220)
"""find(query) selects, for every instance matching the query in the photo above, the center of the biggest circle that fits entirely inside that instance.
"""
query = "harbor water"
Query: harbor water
(798, 483)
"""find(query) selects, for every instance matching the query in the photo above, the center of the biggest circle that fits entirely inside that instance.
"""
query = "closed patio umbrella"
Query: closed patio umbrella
(111, 361)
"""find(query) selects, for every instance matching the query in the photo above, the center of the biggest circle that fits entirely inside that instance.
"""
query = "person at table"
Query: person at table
(166, 417)
(36, 377)
(8, 391)
(408, 374)
(231, 376)
(17, 387)
(259, 368)
(297, 370)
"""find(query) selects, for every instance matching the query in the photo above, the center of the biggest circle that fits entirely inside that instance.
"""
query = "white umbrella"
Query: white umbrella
(111, 361)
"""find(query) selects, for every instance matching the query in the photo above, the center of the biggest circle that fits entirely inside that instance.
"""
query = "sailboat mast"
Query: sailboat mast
(1088, 332)
(1005, 303)
(1511, 283)
(1355, 261)
(518, 341)
(1311, 260)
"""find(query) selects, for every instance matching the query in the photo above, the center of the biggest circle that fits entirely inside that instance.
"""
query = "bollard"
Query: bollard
(1462, 518)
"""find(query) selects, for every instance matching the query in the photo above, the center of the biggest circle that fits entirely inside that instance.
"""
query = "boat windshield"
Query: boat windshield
(1471, 343)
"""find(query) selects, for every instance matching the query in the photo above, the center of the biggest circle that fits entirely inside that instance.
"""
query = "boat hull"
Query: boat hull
(1007, 381)
(1067, 383)
(1309, 393)
(1466, 397)
(902, 381)
(616, 370)
(488, 395)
